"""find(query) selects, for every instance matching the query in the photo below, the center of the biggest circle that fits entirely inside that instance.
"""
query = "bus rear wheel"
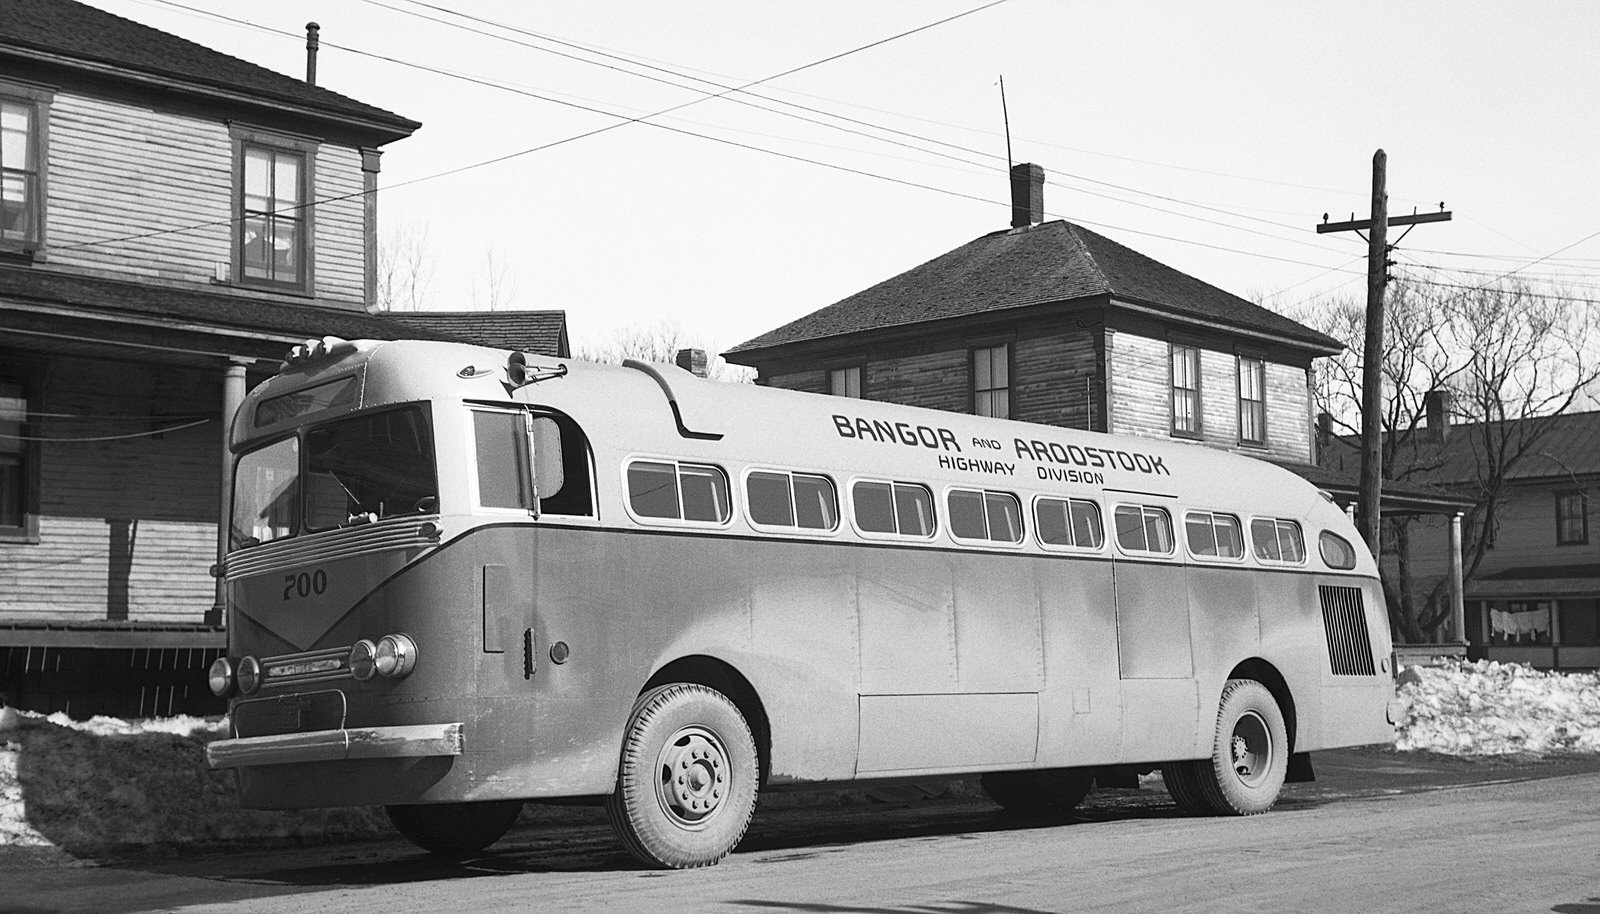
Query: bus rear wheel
(455, 829)
(686, 786)
(1054, 790)
(1249, 756)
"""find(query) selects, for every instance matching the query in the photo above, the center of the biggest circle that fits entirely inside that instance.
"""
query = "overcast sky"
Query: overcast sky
(1210, 136)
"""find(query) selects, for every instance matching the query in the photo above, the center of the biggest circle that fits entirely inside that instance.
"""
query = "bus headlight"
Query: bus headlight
(220, 676)
(363, 660)
(249, 675)
(396, 656)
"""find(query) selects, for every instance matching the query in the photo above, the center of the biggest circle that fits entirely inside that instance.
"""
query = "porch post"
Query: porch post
(1458, 605)
(232, 395)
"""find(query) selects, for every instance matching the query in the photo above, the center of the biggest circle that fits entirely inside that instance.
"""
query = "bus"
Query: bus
(460, 579)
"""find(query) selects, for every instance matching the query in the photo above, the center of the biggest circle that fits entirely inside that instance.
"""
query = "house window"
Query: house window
(18, 460)
(273, 231)
(845, 382)
(1572, 518)
(1252, 401)
(23, 119)
(1185, 390)
(991, 381)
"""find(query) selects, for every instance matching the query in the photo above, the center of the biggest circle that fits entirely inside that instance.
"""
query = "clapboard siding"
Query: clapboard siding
(119, 170)
(810, 381)
(1289, 416)
(127, 527)
(1525, 535)
(341, 234)
(1055, 379)
(936, 380)
(1141, 402)
(1141, 398)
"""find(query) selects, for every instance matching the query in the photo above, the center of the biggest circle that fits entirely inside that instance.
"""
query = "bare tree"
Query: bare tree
(659, 342)
(1505, 352)
(499, 286)
(405, 268)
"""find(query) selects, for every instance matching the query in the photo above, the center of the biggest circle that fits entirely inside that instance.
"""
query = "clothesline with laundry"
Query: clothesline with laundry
(1533, 623)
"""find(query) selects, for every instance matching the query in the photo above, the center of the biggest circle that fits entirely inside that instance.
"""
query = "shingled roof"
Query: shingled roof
(75, 34)
(1049, 263)
(1564, 447)
(109, 298)
(543, 332)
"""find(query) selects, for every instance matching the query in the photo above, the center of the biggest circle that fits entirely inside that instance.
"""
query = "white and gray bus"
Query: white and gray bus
(461, 579)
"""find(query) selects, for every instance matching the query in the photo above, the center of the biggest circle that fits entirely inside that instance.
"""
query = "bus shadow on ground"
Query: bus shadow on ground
(776, 836)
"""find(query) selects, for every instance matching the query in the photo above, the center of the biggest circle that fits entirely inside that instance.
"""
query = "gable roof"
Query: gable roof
(543, 332)
(78, 35)
(1566, 446)
(1049, 263)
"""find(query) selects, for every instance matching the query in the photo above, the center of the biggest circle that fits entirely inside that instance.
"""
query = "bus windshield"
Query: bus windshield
(355, 470)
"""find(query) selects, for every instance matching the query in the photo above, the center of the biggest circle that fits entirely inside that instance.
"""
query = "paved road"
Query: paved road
(1378, 831)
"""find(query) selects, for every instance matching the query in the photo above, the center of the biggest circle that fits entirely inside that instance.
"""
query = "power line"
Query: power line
(623, 121)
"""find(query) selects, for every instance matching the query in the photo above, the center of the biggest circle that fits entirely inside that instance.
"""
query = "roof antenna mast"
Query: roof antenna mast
(1007, 116)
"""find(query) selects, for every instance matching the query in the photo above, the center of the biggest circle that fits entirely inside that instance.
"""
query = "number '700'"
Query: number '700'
(304, 585)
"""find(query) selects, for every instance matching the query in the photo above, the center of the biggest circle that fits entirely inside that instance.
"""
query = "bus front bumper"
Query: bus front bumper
(419, 741)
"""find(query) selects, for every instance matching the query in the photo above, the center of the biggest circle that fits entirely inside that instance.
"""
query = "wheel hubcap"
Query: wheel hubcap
(693, 779)
(1251, 749)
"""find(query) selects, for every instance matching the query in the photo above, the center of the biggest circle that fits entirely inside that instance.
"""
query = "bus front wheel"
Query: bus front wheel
(1249, 757)
(455, 829)
(686, 786)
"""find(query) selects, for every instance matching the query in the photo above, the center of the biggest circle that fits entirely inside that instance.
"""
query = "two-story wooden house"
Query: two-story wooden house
(1050, 322)
(1534, 595)
(171, 220)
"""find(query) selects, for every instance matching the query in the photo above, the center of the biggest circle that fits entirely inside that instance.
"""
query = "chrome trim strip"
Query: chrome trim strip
(416, 741)
(326, 546)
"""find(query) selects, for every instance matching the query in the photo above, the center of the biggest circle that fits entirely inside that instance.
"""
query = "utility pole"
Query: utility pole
(1371, 490)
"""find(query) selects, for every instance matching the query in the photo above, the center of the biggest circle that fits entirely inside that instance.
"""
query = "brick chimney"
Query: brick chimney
(1027, 195)
(1436, 413)
(693, 361)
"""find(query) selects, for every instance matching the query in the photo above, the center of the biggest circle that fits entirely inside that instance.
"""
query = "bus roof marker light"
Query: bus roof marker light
(520, 374)
(316, 350)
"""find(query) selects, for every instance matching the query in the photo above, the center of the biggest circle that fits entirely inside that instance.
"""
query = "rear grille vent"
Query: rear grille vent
(1345, 620)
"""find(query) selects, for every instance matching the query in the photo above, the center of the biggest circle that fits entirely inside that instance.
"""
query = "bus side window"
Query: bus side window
(1277, 540)
(1073, 522)
(899, 508)
(653, 489)
(674, 491)
(992, 516)
(1143, 528)
(1214, 535)
(1337, 551)
(778, 499)
(502, 460)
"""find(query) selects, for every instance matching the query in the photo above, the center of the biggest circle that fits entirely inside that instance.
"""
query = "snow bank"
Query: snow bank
(1488, 708)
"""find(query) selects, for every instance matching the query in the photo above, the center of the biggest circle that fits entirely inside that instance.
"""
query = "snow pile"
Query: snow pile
(1488, 708)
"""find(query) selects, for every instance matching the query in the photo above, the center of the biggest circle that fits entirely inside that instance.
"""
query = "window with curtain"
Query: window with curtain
(991, 381)
(1252, 401)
